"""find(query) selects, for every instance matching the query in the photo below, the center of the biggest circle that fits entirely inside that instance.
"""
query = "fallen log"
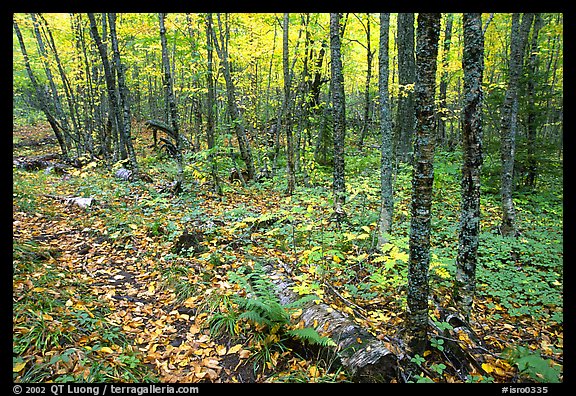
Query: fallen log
(363, 356)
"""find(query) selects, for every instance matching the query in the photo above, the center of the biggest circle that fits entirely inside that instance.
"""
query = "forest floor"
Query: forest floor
(135, 287)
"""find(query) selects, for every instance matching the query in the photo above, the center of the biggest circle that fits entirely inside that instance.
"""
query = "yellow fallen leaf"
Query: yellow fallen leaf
(221, 350)
(487, 367)
(106, 350)
(19, 367)
(47, 317)
(234, 349)
(244, 353)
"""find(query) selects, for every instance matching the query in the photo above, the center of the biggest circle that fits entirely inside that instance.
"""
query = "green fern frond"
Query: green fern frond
(312, 336)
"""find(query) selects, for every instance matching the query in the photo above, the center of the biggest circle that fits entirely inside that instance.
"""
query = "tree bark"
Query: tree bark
(405, 121)
(473, 66)
(509, 120)
(386, 191)
(287, 112)
(243, 142)
(210, 105)
(532, 122)
(422, 181)
(443, 110)
(339, 111)
(40, 95)
(124, 98)
(369, 57)
(169, 90)
(111, 88)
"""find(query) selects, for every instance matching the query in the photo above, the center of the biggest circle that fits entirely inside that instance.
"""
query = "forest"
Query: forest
(287, 198)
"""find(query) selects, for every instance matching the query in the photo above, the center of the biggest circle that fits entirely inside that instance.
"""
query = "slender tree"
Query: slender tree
(169, 90)
(473, 66)
(124, 102)
(210, 106)
(428, 32)
(287, 112)
(221, 46)
(509, 120)
(41, 98)
(386, 192)
(405, 121)
(532, 117)
(339, 111)
(113, 103)
(442, 110)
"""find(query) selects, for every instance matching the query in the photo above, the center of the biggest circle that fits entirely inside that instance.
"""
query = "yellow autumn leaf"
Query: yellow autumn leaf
(244, 353)
(106, 350)
(314, 372)
(487, 367)
(133, 226)
(47, 317)
(336, 259)
(221, 350)
(19, 367)
(234, 349)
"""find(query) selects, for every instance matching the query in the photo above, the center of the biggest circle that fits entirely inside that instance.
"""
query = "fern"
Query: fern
(312, 336)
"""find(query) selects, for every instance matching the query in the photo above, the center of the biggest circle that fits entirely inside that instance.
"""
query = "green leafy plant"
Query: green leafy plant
(532, 366)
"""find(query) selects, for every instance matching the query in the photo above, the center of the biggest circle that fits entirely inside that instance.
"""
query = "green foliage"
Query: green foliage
(532, 366)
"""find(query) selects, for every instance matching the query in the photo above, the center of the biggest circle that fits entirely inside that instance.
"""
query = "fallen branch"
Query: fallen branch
(81, 202)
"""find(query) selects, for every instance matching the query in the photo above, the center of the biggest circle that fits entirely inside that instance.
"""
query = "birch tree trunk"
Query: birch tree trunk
(473, 66)
(386, 191)
(338, 103)
(422, 180)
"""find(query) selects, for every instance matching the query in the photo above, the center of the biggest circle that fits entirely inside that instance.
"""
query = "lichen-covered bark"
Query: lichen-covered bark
(428, 32)
(406, 76)
(386, 195)
(473, 65)
(338, 103)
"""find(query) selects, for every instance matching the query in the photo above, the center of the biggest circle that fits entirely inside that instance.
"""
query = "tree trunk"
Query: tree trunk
(509, 122)
(114, 115)
(169, 89)
(287, 112)
(386, 191)
(369, 56)
(40, 95)
(405, 121)
(339, 106)
(243, 142)
(210, 105)
(59, 111)
(443, 110)
(473, 66)
(532, 122)
(422, 181)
